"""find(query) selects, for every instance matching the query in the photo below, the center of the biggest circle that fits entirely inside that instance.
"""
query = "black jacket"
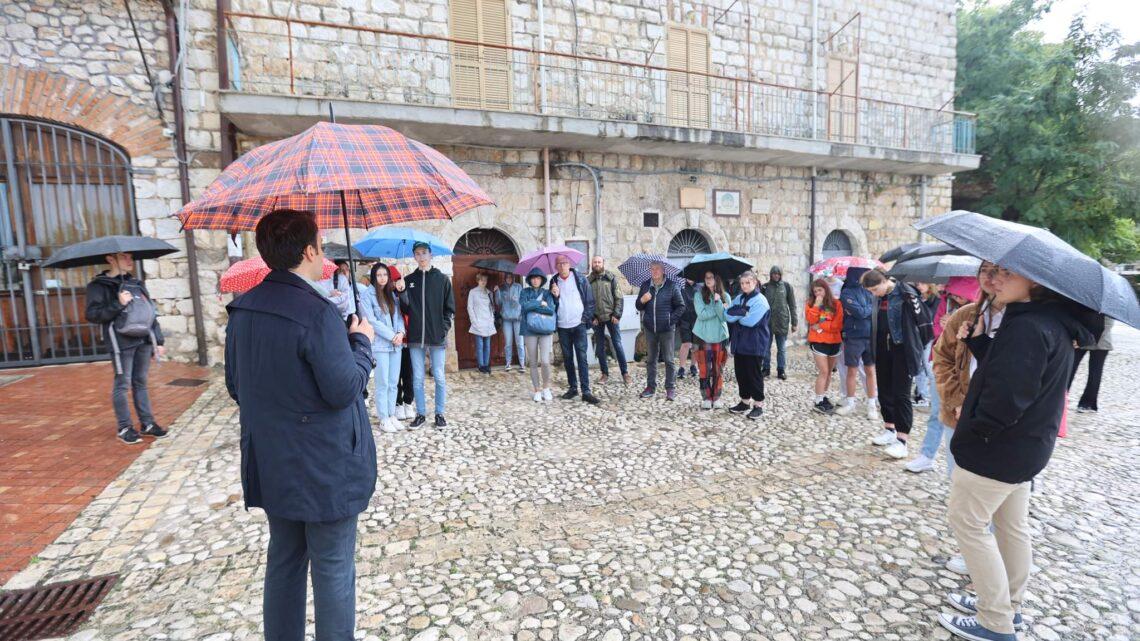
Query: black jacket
(307, 452)
(103, 307)
(664, 310)
(1013, 407)
(916, 325)
(689, 317)
(431, 307)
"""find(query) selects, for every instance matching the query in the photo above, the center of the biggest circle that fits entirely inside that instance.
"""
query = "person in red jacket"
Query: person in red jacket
(823, 315)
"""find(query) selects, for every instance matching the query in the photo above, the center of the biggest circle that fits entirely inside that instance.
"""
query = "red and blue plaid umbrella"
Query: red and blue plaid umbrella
(379, 175)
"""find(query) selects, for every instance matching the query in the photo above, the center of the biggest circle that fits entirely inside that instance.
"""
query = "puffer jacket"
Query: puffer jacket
(665, 307)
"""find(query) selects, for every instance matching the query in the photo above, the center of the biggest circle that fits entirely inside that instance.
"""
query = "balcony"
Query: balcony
(284, 73)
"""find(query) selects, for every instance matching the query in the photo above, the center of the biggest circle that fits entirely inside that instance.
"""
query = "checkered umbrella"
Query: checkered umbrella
(246, 274)
(636, 269)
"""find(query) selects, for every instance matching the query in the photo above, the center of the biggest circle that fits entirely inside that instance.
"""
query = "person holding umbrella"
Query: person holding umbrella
(750, 337)
(430, 303)
(782, 302)
(574, 309)
(710, 333)
(538, 327)
(661, 305)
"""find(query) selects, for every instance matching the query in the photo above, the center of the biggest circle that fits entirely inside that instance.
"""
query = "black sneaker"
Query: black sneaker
(781, 375)
(570, 394)
(152, 429)
(823, 407)
(693, 371)
(129, 436)
(591, 399)
(419, 420)
(766, 372)
(739, 408)
(756, 413)
(680, 373)
(828, 404)
(440, 421)
(1086, 409)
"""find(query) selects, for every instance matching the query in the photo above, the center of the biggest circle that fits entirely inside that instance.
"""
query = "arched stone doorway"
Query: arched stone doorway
(477, 244)
(686, 244)
(837, 243)
(58, 185)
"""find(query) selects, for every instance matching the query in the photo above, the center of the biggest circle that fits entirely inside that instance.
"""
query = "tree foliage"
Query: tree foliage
(1057, 130)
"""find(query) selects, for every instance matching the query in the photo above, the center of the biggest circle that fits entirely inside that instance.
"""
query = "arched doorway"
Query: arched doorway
(686, 244)
(837, 243)
(476, 245)
(58, 185)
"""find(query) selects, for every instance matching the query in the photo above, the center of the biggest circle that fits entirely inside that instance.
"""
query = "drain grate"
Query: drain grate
(187, 382)
(51, 610)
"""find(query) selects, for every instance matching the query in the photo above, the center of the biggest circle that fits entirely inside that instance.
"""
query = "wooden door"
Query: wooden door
(462, 282)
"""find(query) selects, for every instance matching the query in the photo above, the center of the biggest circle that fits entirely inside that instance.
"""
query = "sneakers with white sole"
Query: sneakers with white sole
(538, 397)
(706, 405)
(389, 424)
(845, 408)
(885, 437)
(920, 464)
(968, 604)
(400, 415)
(957, 565)
(896, 449)
(872, 411)
(718, 405)
(969, 628)
(547, 395)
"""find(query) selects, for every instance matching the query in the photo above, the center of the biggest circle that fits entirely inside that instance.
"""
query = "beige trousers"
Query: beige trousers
(999, 562)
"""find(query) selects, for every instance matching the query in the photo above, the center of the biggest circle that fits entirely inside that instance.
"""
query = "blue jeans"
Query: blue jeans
(934, 427)
(330, 548)
(386, 379)
(781, 343)
(438, 356)
(573, 341)
(600, 347)
(483, 351)
(924, 380)
(512, 336)
(948, 434)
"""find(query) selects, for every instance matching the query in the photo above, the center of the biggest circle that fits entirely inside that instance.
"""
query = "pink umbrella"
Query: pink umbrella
(246, 274)
(838, 265)
(544, 259)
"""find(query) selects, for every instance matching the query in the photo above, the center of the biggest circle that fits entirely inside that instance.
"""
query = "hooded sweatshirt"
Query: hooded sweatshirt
(103, 307)
(430, 303)
(858, 306)
(781, 301)
(1015, 400)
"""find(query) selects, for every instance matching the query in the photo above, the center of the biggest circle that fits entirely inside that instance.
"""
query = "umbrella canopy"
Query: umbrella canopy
(838, 265)
(636, 268)
(930, 249)
(1041, 257)
(246, 274)
(337, 251)
(378, 175)
(723, 264)
(91, 252)
(935, 269)
(894, 253)
(544, 259)
(496, 265)
(397, 242)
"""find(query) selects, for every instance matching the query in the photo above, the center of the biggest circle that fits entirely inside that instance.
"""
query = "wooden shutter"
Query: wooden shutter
(698, 84)
(687, 88)
(480, 76)
(677, 57)
(842, 101)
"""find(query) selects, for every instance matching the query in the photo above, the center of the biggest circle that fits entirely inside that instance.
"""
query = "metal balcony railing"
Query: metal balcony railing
(289, 56)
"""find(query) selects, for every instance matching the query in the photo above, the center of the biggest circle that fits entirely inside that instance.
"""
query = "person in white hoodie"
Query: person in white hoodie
(481, 313)
(380, 305)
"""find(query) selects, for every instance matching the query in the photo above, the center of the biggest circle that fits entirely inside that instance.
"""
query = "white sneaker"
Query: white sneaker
(846, 408)
(896, 449)
(920, 464)
(547, 395)
(872, 411)
(409, 411)
(538, 397)
(718, 405)
(507, 369)
(390, 424)
(885, 437)
(401, 414)
(706, 405)
(957, 565)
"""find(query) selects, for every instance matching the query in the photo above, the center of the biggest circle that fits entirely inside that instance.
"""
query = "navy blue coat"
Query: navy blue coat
(665, 308)
(298, 377)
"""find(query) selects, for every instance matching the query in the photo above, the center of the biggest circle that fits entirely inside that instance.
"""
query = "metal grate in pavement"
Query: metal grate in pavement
(51, 610)
(187, 382)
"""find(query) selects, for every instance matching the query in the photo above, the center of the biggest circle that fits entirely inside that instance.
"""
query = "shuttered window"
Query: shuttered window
(688, 87)
(842, 99)
(480, 75)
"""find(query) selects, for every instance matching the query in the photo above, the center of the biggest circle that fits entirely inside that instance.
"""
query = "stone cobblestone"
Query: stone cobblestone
(634, 520)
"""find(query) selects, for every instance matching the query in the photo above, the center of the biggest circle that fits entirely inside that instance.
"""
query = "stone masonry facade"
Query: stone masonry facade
(77, 63)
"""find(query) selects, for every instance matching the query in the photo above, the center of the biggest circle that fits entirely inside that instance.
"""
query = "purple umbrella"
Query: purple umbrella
(545, 258)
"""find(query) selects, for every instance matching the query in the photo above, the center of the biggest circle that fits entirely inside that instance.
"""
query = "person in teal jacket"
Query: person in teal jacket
(535, 300)
(710, 335)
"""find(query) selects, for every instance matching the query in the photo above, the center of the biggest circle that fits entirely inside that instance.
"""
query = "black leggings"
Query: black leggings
(749, 377)
(404, 392)
(894, 386)
(1096, 369)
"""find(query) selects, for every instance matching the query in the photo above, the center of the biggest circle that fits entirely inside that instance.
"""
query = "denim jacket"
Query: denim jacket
(509, 305)
(386, 325)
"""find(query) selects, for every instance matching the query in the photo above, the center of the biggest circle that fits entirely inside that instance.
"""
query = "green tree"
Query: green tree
(1058, 134)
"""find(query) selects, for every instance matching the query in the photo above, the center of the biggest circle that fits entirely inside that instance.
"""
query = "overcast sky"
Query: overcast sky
(1122, 15)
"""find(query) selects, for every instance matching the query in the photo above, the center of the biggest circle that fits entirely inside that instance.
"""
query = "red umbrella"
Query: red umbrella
(838, 265)
(246, 274)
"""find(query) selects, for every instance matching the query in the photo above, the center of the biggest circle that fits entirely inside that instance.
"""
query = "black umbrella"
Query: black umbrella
(893, 254)
(1041, 257)
(337, 251)
(91, 252)
(723, 264)
(935, 269)
(496, 265)
(930, 249)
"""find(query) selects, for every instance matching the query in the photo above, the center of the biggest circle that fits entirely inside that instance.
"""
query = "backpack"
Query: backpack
(136, 319)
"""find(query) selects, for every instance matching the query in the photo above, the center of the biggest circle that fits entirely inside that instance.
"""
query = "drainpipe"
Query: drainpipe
(921, 201)
(814, 68)
(184, 177)
(598, 242)
(811, 215)
(546, 190)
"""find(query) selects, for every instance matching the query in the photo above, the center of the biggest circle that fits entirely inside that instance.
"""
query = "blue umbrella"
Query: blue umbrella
(636, 268)
(724, 264)
(397, 242)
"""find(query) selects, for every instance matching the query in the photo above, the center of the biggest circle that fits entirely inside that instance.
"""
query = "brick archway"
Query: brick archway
(53, 96)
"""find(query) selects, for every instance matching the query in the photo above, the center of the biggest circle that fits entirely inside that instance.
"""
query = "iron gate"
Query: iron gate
(58, 186)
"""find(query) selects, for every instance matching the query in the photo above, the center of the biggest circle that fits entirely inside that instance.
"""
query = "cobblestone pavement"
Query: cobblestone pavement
(634, 520)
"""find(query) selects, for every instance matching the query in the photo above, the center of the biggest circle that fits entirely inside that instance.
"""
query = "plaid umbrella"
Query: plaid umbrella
(545, 259)
(838, 265)
(636, 268)
(246, 274)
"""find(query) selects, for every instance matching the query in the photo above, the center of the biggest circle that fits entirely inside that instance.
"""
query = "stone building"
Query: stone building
(780, 131)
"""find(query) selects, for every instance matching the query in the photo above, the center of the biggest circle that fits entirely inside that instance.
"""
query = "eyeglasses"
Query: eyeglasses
(995, 272)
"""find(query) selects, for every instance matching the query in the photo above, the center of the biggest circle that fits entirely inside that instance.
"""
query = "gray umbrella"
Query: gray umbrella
(496, 265)
(894, 253)
(935, 269)
(91, 252)
(930, 249)
(337, 251)
(1041, 257)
